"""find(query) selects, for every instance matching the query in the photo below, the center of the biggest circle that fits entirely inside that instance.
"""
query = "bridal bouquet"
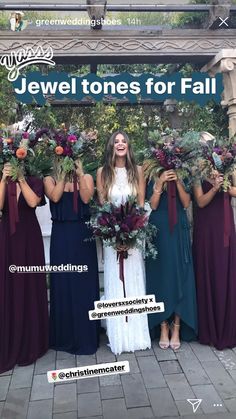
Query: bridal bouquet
(217, 157)
(123, 227)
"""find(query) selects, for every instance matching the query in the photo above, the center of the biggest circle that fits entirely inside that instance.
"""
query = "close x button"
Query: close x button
(224, 22)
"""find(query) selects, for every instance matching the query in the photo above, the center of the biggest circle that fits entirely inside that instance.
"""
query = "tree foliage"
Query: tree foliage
(7, 100)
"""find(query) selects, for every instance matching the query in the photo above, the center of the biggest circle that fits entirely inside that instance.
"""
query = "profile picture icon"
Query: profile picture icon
(54, 376)
(17, 23)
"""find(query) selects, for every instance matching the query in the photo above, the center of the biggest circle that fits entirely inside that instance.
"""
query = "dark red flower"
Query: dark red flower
(67, 151)
(25, 135)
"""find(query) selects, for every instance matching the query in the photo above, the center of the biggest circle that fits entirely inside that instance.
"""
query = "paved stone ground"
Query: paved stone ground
(158, 385)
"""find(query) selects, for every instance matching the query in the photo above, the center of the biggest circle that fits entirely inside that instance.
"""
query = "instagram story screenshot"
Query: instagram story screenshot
(117, 209)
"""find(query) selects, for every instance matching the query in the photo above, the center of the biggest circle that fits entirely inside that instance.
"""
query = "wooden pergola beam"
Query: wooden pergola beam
(106, 101)
(93, 68)
(123, 45)
(112, 8)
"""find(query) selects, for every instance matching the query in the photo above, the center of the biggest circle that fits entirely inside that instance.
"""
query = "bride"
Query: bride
(118, 179)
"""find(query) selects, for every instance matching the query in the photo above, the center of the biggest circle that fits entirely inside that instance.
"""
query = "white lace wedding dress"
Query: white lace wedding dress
(131, 335)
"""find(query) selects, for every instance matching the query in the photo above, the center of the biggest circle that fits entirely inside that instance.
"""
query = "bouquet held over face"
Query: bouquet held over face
(217, 157)
(169, 151)
(21, 151)
(66, 148)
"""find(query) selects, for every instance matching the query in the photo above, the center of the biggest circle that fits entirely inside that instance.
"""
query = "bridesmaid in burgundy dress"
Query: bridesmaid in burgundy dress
(23, 296)
(214, 247)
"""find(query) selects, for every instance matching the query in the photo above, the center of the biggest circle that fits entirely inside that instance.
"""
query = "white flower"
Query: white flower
(24, 143)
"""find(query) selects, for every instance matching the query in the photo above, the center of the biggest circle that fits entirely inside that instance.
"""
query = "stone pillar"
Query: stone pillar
(225, 62)
(228, 67)
(233, 201)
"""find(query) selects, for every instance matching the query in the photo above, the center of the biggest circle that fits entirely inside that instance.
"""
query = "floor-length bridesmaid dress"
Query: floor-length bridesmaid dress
(72, 294)
(23, 296)
(171, 276)
(215, 267)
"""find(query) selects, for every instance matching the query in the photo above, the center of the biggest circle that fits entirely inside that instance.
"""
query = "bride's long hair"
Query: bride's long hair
(108, 170)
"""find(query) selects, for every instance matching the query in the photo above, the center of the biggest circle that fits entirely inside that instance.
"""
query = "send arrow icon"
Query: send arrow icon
(195, 403)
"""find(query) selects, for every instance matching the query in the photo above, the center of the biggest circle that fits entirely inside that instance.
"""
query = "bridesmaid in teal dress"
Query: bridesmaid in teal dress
(171, 277)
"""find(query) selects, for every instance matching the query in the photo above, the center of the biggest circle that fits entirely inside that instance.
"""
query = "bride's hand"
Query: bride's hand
(122, 248)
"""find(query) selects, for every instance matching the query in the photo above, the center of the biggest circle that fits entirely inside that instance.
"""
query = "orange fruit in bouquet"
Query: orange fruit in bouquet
(21, 153)
(59, 150)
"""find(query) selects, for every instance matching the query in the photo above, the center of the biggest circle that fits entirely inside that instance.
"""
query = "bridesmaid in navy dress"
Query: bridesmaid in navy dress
(23, 296)
(72, 294)
(214, 246)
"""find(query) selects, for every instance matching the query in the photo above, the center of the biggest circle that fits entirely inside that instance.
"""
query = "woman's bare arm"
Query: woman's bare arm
(30, 196)
(100, 188)
(203, 199)
(232, 191)
(53, 189)
(141, 186)
(183, 195)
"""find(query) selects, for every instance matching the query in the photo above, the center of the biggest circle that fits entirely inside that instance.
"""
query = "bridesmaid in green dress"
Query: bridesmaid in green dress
(171, 277)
